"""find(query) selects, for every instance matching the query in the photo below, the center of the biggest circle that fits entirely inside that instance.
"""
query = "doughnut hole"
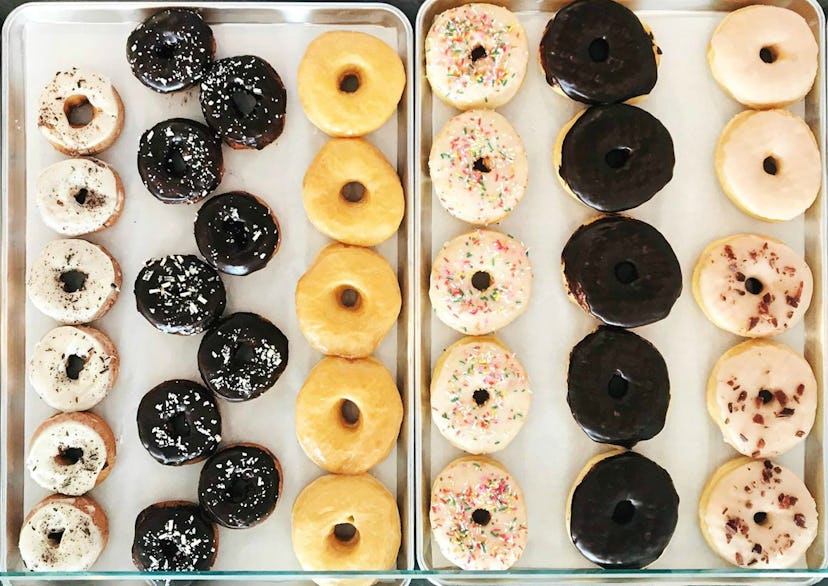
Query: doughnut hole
(174, 163)
(481, 397)
(55, 536)
(349, 82)
(753, 286)
(68, 456)
(626, 272)
(598, 50)
(243, 353)
(237, 234)
(344, 535)
(760, 518)
(623, 512)
(74, 366)
(81, 195)
(73, 281)
(348, 298)
(482, 165)
(349, 413)
(768, 54)
(244, 100)
(238, 489)
(765, 396)
(478, 53)
(165, 48)
(78, 111)
(618, 157)
(481, 517)
(178, 425)
(618, 386)
(353, 192)
(481, 280)
(770, 165)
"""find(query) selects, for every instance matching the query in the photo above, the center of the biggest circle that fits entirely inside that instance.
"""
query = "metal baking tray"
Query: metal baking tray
(691, 211)
(41, 38)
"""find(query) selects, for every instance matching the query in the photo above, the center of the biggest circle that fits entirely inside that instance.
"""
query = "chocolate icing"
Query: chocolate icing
(179, 422)
(622, 271)
(239, 486)
(244, 100)
(237, 233)
(242, 357)
(598, 52)
(616, 157)
(171, 50)
(619, 388)
(180, 294)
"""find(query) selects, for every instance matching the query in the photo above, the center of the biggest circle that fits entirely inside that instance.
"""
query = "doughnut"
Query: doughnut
(63, 534)
(171, 50)
(347, 301)
(476, 56)
(599, 52)
(80, 112)
(478, 515)
(480, 395)
(74, 281)
(752, 286)
(757, 514)
(174, 536)
(621, 271)
(352, 193)
(764, 56)
(180, 161)
(179, 294)
(785, 149)
(79, 196)
(348, 414)
(614, 158)
(622, 510)
(478, 167)
(618, 387)
(350, 83)
(346, 523)
(74, 367)
(480, 281)
(179, 422)
(240, 485)
(244, 100)
(237, 233)
(763, 397)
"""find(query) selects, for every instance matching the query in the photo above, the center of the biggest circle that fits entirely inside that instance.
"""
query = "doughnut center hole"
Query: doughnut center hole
(244, 101)
(178, 425)
(73, 280)
(349, 298)
(174, 164)
(481, 280)
(349, 82)
(165, 49)
(236, 232)
(770, 166)
(81, 195)
(349, 413)
(243, 353)
(617, 386)
(478, 53)
(55, 537)
(481, 516)
(753, 286)
(344, 532)
(68, 456)
(598, 50)
(353, 192)
(481, 397)
(74, 366)
(766, 396)
(79, 112)
(760, 518)
(768, 54)
(617, 157)
(482, 165)
(624, 512)
(626, 272)
(238, 490)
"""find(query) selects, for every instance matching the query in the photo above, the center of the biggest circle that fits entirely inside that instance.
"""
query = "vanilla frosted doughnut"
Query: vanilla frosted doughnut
(74, 281)
(757, 514)
(476, 56)
(79, 196)
(768, 164)
(752, 286)
(480, 281)
(74, 367)
(764, 56)
(478, 166)
(763, 396)
(480, 395)
(72, 89)
(478, 515)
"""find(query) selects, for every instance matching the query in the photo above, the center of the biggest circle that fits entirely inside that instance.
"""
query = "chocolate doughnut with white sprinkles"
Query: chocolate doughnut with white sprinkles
(244, 100)
(239, 486)
(180, 294)
(174, 536)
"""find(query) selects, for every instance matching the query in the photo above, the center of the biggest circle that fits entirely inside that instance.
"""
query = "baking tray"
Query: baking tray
(691, 211)
(39, 39)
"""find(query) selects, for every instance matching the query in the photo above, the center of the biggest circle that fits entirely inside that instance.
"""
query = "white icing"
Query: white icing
(52, 473)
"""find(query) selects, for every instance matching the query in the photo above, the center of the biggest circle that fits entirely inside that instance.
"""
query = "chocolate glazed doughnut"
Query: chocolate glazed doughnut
(174, 536)
(619, 388)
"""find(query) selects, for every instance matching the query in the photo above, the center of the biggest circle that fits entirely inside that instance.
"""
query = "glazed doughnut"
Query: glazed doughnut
(346, 523)
(352, 193)
(622, 510)
(63, 534)
(480, 395)
(61, 101)
(478, 167)
(476, 56)
(348, 414)
(757, 514)
(74, 367)
(79, 196)
(174, 536)
(752, 286)
(480, 281)
(784, 148)
(763, 397)
(74, 281)
(350, 83)
(347, 301)
(478, 515)
(764, 56)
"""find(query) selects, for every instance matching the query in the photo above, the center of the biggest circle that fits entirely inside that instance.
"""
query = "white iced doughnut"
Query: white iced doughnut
(757, 514)
(74, 367)
(63, 534)
(72, 89)
(74, 281)
(752, 286)
(478, 515)
(764, 56)
(476, 56)
(478, 167)
(79, 196)
(768, 164)
(480, 395)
